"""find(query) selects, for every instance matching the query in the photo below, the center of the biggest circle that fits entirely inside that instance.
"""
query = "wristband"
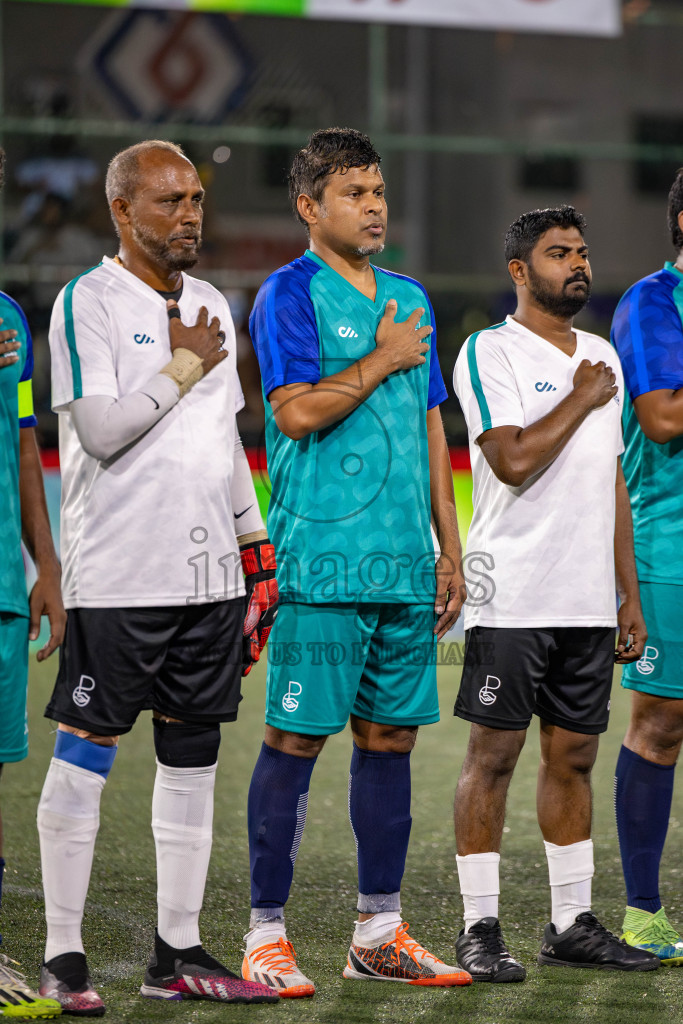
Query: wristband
(185, 369)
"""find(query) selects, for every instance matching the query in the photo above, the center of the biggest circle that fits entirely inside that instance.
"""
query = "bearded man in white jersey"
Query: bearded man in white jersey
(161, 536)
(552, 521)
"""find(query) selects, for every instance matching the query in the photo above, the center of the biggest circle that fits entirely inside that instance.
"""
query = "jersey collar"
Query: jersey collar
(133, 280)
(379, 302)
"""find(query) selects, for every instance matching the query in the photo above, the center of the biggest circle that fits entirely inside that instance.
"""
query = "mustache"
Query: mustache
(189, 233)
(580, 275)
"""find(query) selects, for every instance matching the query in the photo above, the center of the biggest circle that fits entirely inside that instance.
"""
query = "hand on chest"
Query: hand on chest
(142, 343)
(544, 378)
(347, 330)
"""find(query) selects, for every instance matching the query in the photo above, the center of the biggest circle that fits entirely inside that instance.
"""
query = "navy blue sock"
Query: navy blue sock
(642, 800)
(276, 814)
(379, 809)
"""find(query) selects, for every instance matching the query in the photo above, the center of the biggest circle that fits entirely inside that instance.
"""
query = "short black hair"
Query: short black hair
(327, 151)
(522, 236)
(674, 208)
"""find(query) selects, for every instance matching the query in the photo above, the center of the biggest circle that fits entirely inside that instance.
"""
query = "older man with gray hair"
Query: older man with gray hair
(161, 537)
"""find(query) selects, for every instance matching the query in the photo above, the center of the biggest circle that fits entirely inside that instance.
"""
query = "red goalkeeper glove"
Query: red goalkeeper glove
(258, 563)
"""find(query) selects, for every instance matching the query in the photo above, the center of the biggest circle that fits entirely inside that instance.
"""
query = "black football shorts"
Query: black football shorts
(562, 674)
(183, 661)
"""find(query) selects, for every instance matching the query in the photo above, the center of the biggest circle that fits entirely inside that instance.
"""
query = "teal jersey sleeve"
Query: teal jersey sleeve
(16, 409)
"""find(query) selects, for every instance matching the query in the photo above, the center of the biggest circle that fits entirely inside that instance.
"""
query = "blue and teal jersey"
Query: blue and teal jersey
(350, 507)
(16, 410)
(647, 332)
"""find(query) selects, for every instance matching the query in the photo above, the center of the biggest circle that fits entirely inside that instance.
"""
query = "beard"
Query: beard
(159, 249)
(369, 250)
(558, 303)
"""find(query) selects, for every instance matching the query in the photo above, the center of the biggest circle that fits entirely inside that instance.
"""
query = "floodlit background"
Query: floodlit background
(483, 109)
(476, 125)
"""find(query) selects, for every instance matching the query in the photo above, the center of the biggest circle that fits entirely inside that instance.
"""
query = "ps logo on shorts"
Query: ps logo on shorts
(646, 664)
(81, 695)
(486, 694)
(289, 701)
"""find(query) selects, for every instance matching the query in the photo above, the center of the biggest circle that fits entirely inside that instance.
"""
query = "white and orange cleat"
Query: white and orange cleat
(274, 964)
(397, 957)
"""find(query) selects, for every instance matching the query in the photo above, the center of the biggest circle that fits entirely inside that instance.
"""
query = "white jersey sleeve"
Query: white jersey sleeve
(228, 327)
(486, 386)
(80, 345)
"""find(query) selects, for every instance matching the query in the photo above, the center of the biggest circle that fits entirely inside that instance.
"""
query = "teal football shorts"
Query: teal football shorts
(329, 661)
(660, 669)
(13, 687)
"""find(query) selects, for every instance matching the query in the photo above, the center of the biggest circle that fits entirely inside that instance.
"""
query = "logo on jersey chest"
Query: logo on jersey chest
(143, 339)
(544, 385)
(347, 332)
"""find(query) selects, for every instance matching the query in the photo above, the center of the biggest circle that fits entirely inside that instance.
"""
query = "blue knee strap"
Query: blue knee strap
(84, 753)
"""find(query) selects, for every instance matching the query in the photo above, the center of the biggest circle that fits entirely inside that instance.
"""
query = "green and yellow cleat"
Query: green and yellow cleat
(654, 933)
(18, 1000)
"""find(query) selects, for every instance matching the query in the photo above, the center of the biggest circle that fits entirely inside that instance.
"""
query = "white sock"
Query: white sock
(182, 820)
(261, 932)
(570, 870)
(479, 885)
(68, 820)
(376, 928)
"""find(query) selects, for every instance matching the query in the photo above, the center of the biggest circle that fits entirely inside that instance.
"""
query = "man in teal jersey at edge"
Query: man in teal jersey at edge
(358, 463)
(24, 514)
(648, 334)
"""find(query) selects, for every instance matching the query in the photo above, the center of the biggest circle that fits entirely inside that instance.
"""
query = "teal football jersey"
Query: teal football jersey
(647, 332)
(16, 409)
(350, 506)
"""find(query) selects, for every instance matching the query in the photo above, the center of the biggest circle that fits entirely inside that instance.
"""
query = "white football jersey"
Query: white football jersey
(153, 525)
(541, 554)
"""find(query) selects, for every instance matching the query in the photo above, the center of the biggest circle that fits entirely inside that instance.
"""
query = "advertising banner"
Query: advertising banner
(575, 17)
(578, 17)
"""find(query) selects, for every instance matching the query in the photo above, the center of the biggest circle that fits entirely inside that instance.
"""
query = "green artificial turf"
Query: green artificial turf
(120, 913)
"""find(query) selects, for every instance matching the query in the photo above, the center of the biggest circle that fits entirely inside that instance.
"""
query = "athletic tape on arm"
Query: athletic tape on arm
(186, 369)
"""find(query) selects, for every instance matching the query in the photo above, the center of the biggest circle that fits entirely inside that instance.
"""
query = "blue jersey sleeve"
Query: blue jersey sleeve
(283, 328)
(437, 389)
(647, 333)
